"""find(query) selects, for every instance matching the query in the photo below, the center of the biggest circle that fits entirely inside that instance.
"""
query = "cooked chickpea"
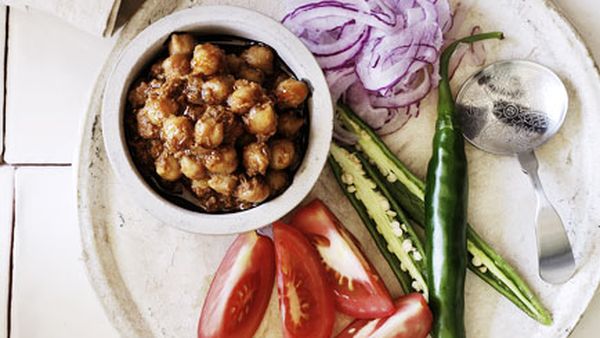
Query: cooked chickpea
(235, 128)
(208, 132)
(159, 108)
(234, 63)
(173, 88)
(154, 88)
(176, 66)
(138, 95)
(251, 74)
(256, 158)
(200, 187)
(194, 111)
(176, 132)
(156, 70)
(291, 93)
(252, 190)
(181, 44)
(244, 96)
(193, 90)
(168, 167)
(260, 57)
(192, 167)
(280, 78)
(277, 180)
(217, 89)
(208, 59)
(223, 184)
(155, 148)
(289, 124)
(282, 154)
(261, 120)
(222, 161)
(145, 127)
(216, 111)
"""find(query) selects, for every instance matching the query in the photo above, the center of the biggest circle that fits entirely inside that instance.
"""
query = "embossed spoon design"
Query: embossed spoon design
(511, 108)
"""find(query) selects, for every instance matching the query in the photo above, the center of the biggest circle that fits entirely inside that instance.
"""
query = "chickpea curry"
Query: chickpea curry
(217, 126)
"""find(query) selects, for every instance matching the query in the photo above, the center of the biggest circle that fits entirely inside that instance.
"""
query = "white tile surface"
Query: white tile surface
(51, 70)
(6, 209)
(51, 295)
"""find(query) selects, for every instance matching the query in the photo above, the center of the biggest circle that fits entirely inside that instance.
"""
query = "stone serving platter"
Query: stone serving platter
(152, 278)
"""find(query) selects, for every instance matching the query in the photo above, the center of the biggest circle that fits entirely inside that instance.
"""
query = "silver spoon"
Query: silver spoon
(513, 107)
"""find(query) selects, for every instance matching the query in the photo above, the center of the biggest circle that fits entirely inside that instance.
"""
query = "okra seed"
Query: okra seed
(391, 213)
(351, 189)
(417, 256)
(404, 227)
(395, 225)
(391, 178)
(407, 245)
(483, 269)
(476, 261)
(347, 178)
(385, 204)
(402, 266)
(416, 286)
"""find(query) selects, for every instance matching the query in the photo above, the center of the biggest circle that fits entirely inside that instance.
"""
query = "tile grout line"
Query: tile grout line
(12, 246)
(36, 165)
(14, 178)
(6, 16)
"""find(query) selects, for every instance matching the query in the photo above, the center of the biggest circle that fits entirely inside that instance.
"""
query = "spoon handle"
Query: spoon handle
(555, 256)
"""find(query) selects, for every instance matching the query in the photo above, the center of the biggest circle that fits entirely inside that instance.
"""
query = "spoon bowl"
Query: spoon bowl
(511, 108)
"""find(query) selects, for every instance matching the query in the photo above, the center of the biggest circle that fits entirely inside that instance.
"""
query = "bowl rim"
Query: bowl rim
(250, 24)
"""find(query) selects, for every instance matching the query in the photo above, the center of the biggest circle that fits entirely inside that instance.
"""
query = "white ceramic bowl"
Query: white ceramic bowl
(209, 20)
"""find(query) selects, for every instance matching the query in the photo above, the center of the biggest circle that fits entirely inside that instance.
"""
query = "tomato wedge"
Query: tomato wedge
(305, 299)
(358, 289)
(240, 292)
(411, 319)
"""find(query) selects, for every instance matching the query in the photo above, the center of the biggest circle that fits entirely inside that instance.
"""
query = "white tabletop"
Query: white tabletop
(50, 70)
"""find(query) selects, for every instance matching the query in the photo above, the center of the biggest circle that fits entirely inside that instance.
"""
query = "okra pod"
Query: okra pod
(384, 219)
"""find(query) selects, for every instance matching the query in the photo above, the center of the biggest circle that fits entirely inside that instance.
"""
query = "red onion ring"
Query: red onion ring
(380, 56)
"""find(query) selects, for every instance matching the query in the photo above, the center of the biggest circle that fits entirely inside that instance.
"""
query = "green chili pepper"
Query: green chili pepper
(446, 209)
(409, 192)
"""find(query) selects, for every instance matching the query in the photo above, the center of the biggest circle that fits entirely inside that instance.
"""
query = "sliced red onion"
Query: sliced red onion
(358, 99)
(340, 59)
(398, 120)
(380, 56)
(477, 50)
(406, 96)
(339, 81)
(343, 135)
(388, 58)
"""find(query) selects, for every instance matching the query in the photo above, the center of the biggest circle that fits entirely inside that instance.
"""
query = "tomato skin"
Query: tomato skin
(366, 297)
(305, 298)
(412, 319)
(243, 281)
